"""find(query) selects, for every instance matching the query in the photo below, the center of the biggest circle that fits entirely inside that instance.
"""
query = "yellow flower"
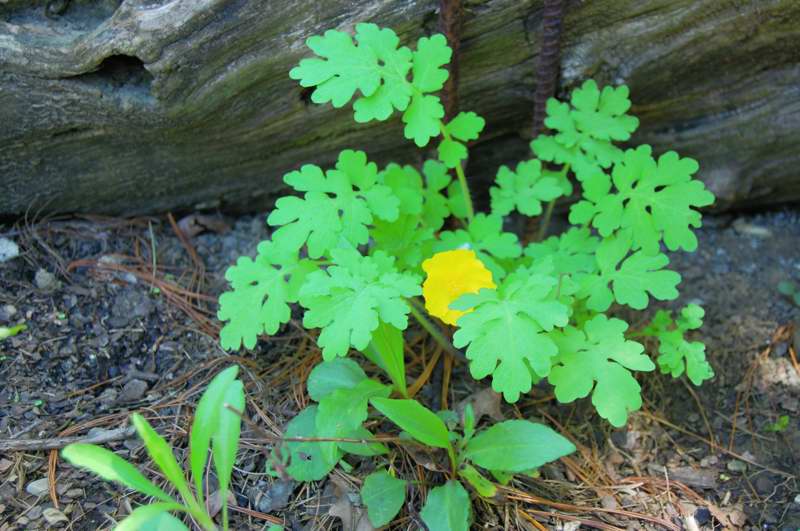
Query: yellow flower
(451, 274)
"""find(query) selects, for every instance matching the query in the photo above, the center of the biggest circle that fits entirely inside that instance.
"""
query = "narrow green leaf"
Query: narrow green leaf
(383, 495)
(469, 422)
(482, 486)
(328, 376)
(112, 467)
(386, 351)
(154, 516)
(447, 508)
(226, 439)
(162, 455)
(419, 421)
(362, 449)
(206, 420)
(516, 446)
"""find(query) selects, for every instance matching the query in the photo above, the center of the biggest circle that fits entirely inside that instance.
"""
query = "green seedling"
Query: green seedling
(215, 426)
(789, 290)
(11, 331)
(779, 425)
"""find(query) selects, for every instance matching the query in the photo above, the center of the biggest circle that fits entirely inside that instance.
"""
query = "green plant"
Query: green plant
(215, 427)
(319, 437)
(789, 289)
(352, 249)
(779, 425)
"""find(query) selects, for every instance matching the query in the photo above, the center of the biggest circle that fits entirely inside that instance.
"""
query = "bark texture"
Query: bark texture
(147, 105)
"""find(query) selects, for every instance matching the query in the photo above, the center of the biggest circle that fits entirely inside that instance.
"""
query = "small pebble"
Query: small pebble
(38, 487)
(8, 250)
(133, 391)
(45, 280)
(54, 516)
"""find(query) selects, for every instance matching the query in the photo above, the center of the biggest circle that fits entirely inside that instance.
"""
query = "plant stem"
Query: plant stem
(462, 179)
(548, 214)
(433, 330)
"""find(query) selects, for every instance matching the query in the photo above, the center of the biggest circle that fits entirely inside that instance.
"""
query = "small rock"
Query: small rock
(23, 521)
(702, 515)
(54, 516)
(737, 466)
(276, 497)
(129, 305)
(8, 250)
(742, 227)
(797, 499)
(38, 487)
(108, 397)
(7, 312)
(35, 513)
(74, 493)
(133, 390)
(45, 280)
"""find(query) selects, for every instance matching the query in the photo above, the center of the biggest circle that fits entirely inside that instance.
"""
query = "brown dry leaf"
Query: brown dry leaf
(195, 224)
(732, 517)
(215, 502)
(484, 402)
(348, 508)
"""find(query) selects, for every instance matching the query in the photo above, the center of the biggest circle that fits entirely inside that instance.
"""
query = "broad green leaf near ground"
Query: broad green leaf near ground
(337, 205)
(598, 360)
(676, 354)
(383, 494)
(524, 189)
(328, 376)
(486, 237)
(506, 331)
(350, 298)
(308, 461)
(261, 291)
(342, 412)
(517, 446)
(447, 508)
(654, 200)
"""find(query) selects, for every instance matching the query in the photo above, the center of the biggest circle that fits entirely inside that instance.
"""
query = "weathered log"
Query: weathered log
(147, 105)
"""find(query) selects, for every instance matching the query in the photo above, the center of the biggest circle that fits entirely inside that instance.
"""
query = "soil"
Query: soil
(113, 328)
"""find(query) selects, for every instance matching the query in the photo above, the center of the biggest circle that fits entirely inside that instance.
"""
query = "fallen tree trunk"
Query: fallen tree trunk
(149, 105)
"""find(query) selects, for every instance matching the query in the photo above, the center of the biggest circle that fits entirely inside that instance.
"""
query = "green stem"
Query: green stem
(462, 179)
(433, 330)
(199, 514)
(548, 214)
(453, 464)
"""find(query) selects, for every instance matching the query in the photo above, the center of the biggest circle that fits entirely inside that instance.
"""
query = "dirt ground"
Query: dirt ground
(114, 327)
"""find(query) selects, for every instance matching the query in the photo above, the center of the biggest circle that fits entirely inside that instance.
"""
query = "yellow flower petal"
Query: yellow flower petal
(451, 274)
